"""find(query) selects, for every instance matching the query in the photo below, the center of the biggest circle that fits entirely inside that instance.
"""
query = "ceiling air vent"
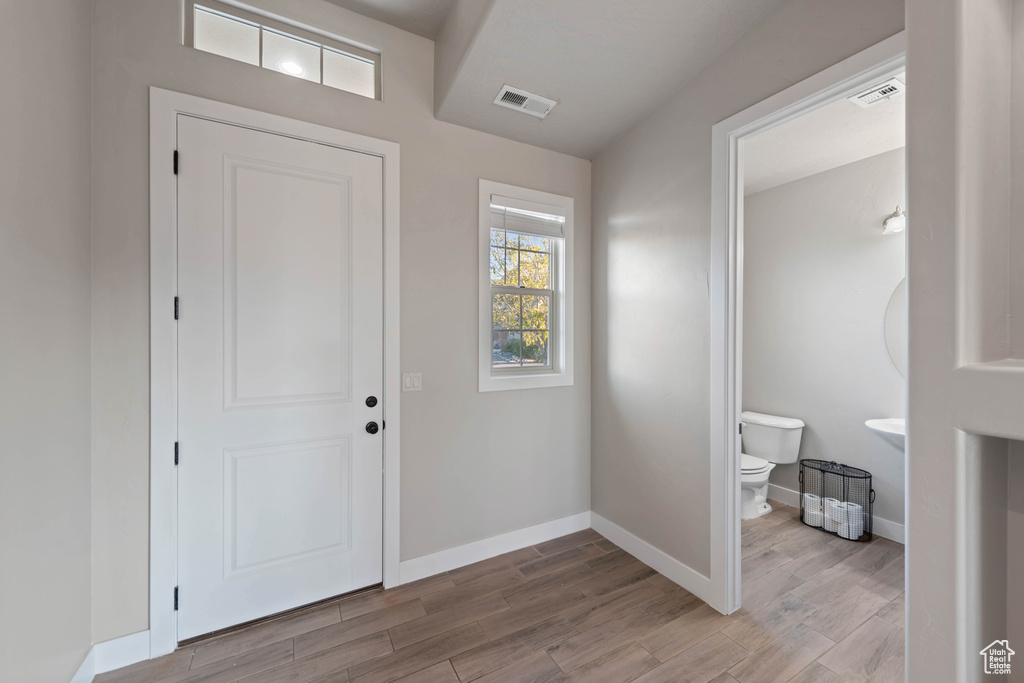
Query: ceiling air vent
(526, 102)
(879, 92)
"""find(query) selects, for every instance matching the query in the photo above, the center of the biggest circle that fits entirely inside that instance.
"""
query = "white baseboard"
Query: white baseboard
(113, 654)
(87, 671)
(882, 527)
(688, 578)
(453, 558)
(119, 652)
(891, 530)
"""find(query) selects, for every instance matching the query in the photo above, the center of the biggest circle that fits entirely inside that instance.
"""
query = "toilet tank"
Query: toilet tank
(773, 438)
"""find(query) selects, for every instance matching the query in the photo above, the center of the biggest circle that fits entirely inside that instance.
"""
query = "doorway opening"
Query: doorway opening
(787, 346)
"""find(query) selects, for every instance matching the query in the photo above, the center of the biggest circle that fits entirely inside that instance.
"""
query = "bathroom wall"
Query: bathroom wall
(818, 274)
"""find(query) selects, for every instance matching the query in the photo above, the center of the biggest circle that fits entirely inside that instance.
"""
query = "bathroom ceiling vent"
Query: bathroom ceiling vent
(879, 92)
(526, 102)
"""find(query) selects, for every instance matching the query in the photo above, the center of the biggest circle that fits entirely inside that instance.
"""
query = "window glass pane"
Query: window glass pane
(534, 270)
(497, 266)
(535, 348)
(505, 349)
(291, 56)
(349, 73)
(511, 268)
(505, 311)
(535, 312)
(497, 238)
(535, 243)
(512, 240)
(226, 37)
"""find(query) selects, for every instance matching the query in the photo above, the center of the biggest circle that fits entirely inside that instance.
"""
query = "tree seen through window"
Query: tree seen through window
(521, 298)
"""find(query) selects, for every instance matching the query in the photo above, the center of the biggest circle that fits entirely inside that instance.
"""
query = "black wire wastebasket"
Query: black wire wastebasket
(836, 498)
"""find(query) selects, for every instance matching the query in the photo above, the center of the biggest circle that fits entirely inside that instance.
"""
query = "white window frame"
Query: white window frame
(560, 371)
(246, 14)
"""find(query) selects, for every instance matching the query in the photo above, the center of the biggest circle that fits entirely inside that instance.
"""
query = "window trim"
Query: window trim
(279, 25)
(560, 372)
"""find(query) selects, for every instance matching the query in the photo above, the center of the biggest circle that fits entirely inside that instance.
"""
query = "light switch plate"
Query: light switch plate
(412, 381)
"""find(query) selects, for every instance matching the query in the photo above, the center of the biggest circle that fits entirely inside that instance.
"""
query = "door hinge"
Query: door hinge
(175, 452)
(741, 428)
(175, 162)
(175, 308)
(175, 598)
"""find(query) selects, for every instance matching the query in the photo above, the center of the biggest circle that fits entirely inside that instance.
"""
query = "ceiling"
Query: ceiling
(608, 63)
(834, 135)
(422, 17)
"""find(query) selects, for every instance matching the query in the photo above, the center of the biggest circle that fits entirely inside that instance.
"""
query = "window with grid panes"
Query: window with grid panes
(522, 296)
(524, 246)
(526, 307)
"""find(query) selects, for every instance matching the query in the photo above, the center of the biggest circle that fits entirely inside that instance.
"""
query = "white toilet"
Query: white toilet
(768, 440)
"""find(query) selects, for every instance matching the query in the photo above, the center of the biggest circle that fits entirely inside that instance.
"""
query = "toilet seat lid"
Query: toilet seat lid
(751, 464)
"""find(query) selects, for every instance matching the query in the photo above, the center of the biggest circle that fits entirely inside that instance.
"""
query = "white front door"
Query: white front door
(280, 347)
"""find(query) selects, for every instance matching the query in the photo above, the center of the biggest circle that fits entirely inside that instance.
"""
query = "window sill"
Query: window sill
(511, 382)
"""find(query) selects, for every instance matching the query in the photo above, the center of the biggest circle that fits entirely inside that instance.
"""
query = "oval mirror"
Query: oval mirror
(896, 327)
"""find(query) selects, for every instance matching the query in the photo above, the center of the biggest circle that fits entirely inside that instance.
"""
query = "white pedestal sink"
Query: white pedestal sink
(892, 429)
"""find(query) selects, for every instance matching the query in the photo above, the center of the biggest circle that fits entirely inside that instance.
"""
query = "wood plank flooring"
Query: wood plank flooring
(578, 608)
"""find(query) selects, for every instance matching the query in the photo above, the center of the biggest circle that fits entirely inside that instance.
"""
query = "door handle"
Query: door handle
(372, 427)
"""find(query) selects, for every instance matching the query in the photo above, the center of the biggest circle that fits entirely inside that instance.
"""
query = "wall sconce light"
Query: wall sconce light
(895, 222)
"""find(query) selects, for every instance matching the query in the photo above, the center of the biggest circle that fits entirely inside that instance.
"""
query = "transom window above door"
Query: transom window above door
(526, 297)
(223, 29)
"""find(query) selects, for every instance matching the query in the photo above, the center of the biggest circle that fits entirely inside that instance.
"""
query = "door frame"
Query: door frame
(852, 75)
(164, 108)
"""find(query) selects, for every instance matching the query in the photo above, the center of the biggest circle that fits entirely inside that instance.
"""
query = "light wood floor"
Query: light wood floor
(816, 608)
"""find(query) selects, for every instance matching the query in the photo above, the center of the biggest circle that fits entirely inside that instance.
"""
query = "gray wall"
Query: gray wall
(469, 468)
(652, 217)
(817, 277)
(44, 368)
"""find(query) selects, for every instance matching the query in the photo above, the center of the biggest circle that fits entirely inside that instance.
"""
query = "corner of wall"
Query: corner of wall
(454, 43)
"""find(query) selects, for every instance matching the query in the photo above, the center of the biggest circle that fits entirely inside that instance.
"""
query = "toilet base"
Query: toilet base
(754, 502)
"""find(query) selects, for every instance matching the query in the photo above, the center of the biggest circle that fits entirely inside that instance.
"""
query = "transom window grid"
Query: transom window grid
(235, 33)
(523, 299)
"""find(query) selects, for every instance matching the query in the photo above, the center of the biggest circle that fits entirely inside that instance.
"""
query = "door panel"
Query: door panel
(310, 479)
(280, 340)
(304, 355)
